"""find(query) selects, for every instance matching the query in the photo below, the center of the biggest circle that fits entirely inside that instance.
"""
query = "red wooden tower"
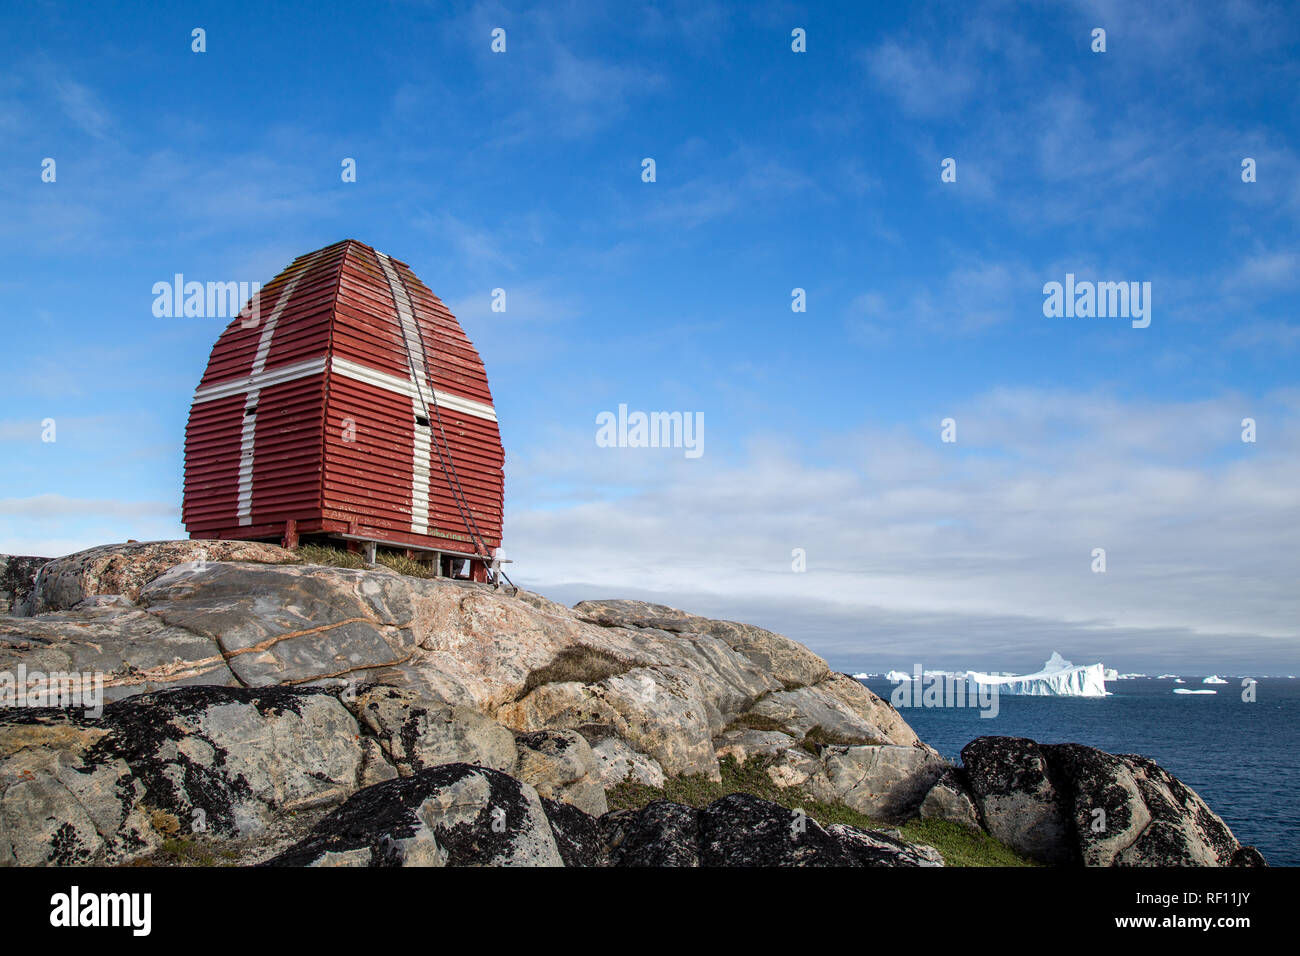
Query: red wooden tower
(347, 402)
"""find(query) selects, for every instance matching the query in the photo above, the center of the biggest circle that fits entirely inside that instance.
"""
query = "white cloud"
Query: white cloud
(1199, 528)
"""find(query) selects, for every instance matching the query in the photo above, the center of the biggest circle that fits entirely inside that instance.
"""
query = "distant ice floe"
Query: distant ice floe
(1184, 690)
(1058, 678)
(1214, 679)
(895, 676)
(1167, 677)
(861, 676)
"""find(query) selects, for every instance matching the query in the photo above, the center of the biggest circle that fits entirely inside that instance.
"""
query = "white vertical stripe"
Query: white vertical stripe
(420, 478)
(422, 444)
(244, 510)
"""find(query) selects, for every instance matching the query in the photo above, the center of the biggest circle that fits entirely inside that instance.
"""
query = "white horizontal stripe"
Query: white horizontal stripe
(275, 376)
(373, 376)
(359, 373)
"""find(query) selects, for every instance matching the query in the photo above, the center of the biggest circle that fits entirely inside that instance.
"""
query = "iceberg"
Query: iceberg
(1058, 678)
(1214, 679)
(1184, 690)
(861, 676)
(1110, 674)
(1167, 677)
(896, 676)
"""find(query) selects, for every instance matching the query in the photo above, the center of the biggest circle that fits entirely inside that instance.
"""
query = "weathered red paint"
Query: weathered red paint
(331, 444)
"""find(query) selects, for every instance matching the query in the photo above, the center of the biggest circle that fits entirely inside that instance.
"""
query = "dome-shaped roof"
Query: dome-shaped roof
(346, 398)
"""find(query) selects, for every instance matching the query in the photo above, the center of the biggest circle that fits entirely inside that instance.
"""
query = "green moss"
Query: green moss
(959, 846)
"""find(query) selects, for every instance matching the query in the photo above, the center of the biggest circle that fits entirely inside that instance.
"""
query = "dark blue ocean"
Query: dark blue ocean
(1242, 758)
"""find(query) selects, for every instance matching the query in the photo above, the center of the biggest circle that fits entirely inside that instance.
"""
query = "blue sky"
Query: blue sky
(774, 170)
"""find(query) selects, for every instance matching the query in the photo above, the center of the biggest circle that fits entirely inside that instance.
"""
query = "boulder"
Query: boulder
(885, 782)
(659, 834)
(1102, 799)
(453, 815)
(617, 762)
(1018, 801)
(949, 799)
(126, 568)
(17, 579)
(801, 711)
(887, 724)
(658, 713)
(1064, 803)
(796, 767)
(1183, 831)
(743, 744)
(416, 732)
(577, 834)
(559, 764)
(227, 763)
(742, 830)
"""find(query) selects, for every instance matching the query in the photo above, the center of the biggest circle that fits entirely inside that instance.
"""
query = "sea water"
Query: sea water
(1242, 758)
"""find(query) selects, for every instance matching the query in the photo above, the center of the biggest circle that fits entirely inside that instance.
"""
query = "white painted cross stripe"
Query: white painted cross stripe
(422, 446)
(348, 369)
(248, 435)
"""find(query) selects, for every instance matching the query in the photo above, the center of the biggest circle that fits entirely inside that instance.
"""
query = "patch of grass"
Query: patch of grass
(819, 738)
(752, 721)
(187, 851)
(342, 558)
(330, 557)
(404, 565)
(586, 665)
(959, 846)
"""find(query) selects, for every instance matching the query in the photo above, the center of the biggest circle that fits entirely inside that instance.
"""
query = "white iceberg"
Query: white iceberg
(861, 676)
(1167, 677)
(1110, 674)
(1058, 678)
(1214, 679)
(896, 676)
(1179, 680)
(1184, 690)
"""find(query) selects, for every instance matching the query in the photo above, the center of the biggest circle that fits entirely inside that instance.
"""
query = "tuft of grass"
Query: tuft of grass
(330, 557)
(187, 851)
(341, 558)
(404, 565)
(586, 665)
(819, 738)
(959, 846)
(752, 721)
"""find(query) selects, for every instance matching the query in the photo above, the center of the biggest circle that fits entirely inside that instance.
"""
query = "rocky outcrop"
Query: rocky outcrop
(663, 683)
(237, 764)
(1067, 803)
(453, 815)
(460, 815)
(126, 568)
(743, 830)
(259, 704)
(17, 578)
